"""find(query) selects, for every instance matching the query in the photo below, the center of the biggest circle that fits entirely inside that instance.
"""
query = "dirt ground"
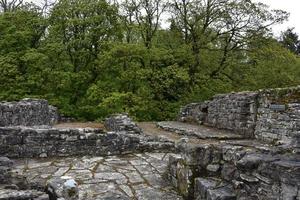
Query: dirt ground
(80, 125)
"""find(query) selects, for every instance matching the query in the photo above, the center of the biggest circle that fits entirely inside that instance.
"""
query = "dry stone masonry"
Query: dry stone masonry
(235, 112)
(270, 115)
(27, 112)
(278, 116)
(235, 170)
(263, 164)
(26, 132)
(237, 146)
(22, 142)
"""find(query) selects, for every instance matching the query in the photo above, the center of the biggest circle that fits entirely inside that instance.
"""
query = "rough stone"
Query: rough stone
(27, 112)
(8, 194)
(121, 122)
(48, 142)
(122, 179)
(62, 187)
(253, 114)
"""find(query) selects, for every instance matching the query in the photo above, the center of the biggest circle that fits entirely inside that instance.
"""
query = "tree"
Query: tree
(221, 26)
(10, 5)
(290, 40)
(83, 26)
(147, 15)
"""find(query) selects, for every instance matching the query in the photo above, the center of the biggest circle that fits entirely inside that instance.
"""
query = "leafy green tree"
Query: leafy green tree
(92, 58)
(290, 40)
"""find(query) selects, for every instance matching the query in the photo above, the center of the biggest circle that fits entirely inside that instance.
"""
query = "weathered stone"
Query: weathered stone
(222, 193)
(194, 112)
(49, 142)
(27, 112)
(202, 185)
(249, 179)
(62, 187)
(279, 126)
(120, 180)
(200, 132)
(252, 114)
(121, 122)
(8, 194)
(6, 162)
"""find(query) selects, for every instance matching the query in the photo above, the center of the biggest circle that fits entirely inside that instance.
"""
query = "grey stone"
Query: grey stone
(8, 194)
(62, 187)
(121, 122)
(202, 185)
(223, 193)
(6, 162)
(27, 112)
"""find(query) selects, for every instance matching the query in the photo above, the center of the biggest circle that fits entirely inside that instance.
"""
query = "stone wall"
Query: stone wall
(236, 112)
(278, 116)
(235, 171)
(22, 142)
(27, 112)
(269, 115)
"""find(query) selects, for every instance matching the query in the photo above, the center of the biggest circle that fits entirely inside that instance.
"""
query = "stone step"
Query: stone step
(199, 131)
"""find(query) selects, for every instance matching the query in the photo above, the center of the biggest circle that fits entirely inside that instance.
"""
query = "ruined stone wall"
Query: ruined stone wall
(235, 171)
(236, 112)
(27, 112)
(269, 115)
(278, 116)
(20, 142)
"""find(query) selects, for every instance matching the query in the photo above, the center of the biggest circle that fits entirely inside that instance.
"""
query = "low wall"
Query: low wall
(27, 112)
(22, 142)
(269, 115)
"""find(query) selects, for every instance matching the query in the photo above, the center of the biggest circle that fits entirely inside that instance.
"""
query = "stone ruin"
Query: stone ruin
(26, 131)
(27, 112)
(269, 115)
(263, 164)
(236, 146)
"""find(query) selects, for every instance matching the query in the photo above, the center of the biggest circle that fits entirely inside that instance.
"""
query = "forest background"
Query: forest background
(92, 58)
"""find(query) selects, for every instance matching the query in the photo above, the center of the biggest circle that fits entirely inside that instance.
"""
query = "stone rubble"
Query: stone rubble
(121, 122)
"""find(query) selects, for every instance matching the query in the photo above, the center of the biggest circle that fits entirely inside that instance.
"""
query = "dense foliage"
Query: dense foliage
(92, 58)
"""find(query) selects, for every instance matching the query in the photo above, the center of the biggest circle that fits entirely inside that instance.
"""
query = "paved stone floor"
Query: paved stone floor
(137, 176)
